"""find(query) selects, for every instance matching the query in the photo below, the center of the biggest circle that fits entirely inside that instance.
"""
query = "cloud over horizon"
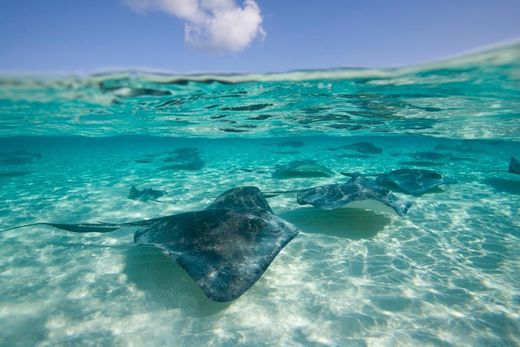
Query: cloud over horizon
(219, 25)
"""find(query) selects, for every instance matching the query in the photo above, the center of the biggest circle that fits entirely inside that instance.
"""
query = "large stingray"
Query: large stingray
(225, 248)
(359, 188)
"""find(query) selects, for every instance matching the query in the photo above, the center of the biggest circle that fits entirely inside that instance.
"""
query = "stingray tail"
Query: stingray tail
(76, 228)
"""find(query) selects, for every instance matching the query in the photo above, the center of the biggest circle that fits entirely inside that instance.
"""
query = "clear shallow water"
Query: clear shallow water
(446, 274)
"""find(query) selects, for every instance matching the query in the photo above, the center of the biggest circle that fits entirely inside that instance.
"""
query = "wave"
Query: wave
(471, 96)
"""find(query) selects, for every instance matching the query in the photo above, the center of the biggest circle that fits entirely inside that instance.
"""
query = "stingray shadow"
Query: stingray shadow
(510, 186)
(351, 223)
(166, 284)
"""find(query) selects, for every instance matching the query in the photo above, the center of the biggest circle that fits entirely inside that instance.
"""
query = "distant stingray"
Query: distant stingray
(183, 158)
(186, 158)
(359, 188)
(301, 169)
(436, 156)
(432, 156)
(225, 248)
(361, 147)
(291, 143)
(514, 166)
(18, 158)
(412, 181)
(456, 146)
(11, 174)
(145, 194)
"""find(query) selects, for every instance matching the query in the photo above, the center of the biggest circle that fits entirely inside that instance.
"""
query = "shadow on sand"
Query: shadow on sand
(510, 186)
(351, 223)
(166, 284)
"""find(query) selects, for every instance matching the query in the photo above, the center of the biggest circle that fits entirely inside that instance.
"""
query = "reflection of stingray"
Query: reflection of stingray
(504, 185)
(344, 222)
(225, 248)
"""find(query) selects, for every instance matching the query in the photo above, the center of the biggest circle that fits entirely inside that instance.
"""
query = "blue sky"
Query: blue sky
(49, 36)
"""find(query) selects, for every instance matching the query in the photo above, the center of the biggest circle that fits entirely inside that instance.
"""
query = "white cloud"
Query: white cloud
(212, 24)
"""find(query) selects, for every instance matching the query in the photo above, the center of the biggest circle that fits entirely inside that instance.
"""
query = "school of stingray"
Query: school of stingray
(226, 247)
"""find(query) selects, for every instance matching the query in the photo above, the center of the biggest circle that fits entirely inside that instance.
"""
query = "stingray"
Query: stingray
(301, 169)
(183, 158)
(436, 156)
(412, 181)
(19, 158)
(11, 174)
(432, 156)
(224, 248)
(145, 194)
(287, 152)
(358, 188)
(186, 158)
(144, 161)
(459, 147)
(291, 143)
(514, 166)
(361, 147)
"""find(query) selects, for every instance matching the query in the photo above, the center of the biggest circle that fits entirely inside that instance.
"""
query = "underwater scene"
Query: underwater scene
(346, 207)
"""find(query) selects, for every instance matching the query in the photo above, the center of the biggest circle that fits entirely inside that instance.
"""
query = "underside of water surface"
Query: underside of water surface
(444, 274)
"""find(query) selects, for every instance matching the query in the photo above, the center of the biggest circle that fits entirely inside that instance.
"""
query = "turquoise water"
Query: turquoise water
(445, 274)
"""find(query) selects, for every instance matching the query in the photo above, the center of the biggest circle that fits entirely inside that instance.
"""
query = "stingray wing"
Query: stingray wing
(225, 251)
